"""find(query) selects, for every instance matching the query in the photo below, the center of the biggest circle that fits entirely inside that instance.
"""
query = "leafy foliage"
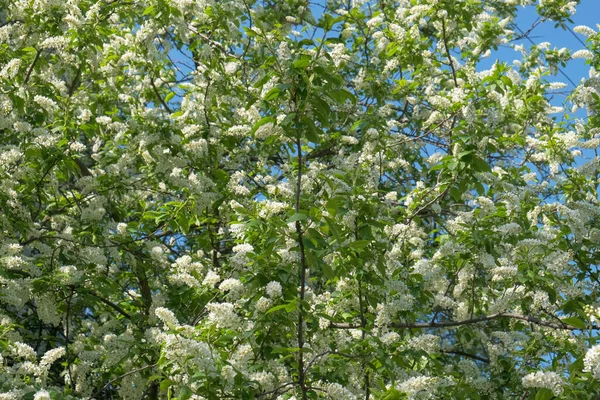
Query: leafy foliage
(294, 200)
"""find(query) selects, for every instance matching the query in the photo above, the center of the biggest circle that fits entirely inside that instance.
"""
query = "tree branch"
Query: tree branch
(162, 101)
(30, 70)
(302, 275)
(450, 324)
(110, 304)
(468, 355)
(133, 371)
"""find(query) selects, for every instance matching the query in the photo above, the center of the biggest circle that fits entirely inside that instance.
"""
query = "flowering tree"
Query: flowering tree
(291, 200)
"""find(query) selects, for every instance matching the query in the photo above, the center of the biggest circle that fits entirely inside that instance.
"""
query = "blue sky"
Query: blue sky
(588, 13)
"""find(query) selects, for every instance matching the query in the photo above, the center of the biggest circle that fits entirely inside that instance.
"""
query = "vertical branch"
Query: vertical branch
(302, 275)
(447, 48)
(158, 95)
(363, 323)
(67, 352)
(75, 80)
(453, 69)
(30, 70)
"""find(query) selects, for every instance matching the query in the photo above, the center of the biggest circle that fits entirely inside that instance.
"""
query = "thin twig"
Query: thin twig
(162, 101)
(450, 324)
(133, 371)
(30, 70)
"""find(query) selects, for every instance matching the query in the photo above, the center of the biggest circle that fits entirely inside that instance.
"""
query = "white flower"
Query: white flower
(11, 69)
(42, 395)
(122, 228)
(85, 115)
(231, 67)
(557, 85)
(103, 120)
(24, 350)
(46, 103)
(427, 343)
(228, 373)
(349, 139)
(274, 289)
(584, 30)
(511, 228)
(211, 278)
(418, 384)
(591, 361)
(585, 54)
(51, 356)
(338, 392)
(166, 316)
(263, 304)
(77, 147)
(233, 286)
(541, 379)
(223, 315)
(391, 196)
(270, 208)
(14, 248)
(238, 131)
(157, 251)
(389, 338)
(71, 273)
(243, 248)
(54, 42)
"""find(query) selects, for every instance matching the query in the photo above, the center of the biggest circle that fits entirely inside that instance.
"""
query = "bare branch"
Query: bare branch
(450, 324)
(30, 70)
(162, 101)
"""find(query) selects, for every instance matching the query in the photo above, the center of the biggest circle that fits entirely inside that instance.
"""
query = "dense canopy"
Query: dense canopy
(284, 199)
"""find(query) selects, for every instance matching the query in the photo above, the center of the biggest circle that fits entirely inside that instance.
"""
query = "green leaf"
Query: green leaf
(169, 96)
(334, 229)
(327, 271)
(480, 189)
(334, 204)
(276, 308)
(393, 394)
(357, 124)
(544, 394)
(360, 244)
(263, 121)
(148, 10)
(306, 42)
(185, 393)
(463, 154)
(302, 62)
(341, 95)
(480, 165)
(292, 305)
(506, 81)
(164, 385)
(153, 378)
(321, 110)
(272, 94)
(392, 49)
(266, 78)
(576, 322)
(297, 217)
(221, 175)
(312, 133)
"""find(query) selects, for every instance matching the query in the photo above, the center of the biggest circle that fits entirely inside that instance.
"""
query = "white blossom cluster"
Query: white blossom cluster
(543, 379)
(592, 361)
(206, 199)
